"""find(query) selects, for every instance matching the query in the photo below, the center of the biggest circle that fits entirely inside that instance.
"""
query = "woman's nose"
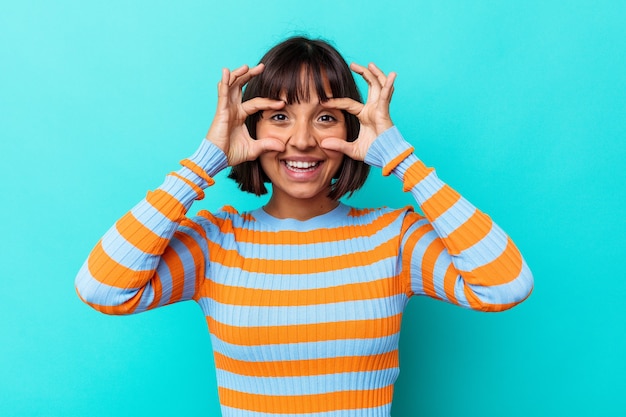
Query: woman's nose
(302, 137)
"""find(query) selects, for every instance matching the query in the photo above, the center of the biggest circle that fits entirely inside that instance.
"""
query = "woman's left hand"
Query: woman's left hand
(373, 115)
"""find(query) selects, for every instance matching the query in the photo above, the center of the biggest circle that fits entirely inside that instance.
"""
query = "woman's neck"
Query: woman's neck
(298, 208)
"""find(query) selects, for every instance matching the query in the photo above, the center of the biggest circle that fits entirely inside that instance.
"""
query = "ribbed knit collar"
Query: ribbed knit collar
(330, 219)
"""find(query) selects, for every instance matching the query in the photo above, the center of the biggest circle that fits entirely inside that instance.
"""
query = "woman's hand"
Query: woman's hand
(373, 115)
(228, 130)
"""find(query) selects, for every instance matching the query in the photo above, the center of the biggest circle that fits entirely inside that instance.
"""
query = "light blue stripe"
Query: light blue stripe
(361, 274)
(189, 268)
(511, 292)
(179, 189)
(486, 250)
(190, 284)
(312, 250)
(417, 282)
(96, 292)
(308, 350)
(165, 277)
(126, 254)
(382, 411)
(428, 186)
(455, 216)
(307, 385)
(153, 219)
(332, 219)
(459, 292)
(254, 316)
(444, 260)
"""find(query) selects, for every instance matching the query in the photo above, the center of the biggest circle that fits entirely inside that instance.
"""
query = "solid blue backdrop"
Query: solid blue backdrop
(519, 105)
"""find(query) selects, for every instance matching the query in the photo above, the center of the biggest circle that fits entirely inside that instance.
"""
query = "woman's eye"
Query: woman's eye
(279, 117)
(327, 118)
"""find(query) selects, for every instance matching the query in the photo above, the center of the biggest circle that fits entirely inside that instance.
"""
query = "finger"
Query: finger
(245, 76)
(222, 89)
(222, 85)
(357, 68)
(260, 146)
(340, 145)
(374, 85)
(367, 75)
(261, 103)
(350, 105)
(387, 91)
(236, 73)
(378, 73)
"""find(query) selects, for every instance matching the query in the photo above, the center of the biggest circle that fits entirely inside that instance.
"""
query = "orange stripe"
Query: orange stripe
(308, 367)
(167, 204)
(416, 173)
(186, 222)
(198, 261)
(193, 186)
(302, 333)
(289, 237)
(107, 271)
(431, 255)
(139, 235)
(247, 217)
(230, 209)
(302, 404)
(241, 296)
(177, 271)
(198, 170)
(158, 292)
(449, 282)
(231, 258)
(407, 253)
(439, 202)
(469, 233)
(476, 304)
(473, 300)
(122, 309)
(357, 212)
(504, 269)
(396, 161)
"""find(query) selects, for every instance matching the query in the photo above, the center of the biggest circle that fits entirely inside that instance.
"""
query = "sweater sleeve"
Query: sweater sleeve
(154, 255)
(456, 253)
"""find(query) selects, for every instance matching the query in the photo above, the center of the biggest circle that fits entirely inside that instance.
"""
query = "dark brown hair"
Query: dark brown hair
(282, 79)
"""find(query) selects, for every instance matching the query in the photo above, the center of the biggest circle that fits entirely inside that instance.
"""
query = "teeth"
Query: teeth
(301, 164)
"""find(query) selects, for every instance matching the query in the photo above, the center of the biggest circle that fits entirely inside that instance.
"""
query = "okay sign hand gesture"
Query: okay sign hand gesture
(373, 115)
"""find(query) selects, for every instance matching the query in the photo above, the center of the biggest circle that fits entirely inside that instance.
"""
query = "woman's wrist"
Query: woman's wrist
(388, 150)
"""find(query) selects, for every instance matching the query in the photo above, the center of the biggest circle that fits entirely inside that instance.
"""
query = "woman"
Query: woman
(304, 296)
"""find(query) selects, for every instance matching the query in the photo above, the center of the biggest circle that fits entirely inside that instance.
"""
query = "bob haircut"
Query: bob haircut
(282, 79)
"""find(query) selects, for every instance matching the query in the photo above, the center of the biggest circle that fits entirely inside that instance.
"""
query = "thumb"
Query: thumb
(260, 146)
(340, 145)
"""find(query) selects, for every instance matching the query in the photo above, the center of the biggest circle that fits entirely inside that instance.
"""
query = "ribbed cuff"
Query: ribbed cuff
(206, 162)
(210, 158)
(388, 150)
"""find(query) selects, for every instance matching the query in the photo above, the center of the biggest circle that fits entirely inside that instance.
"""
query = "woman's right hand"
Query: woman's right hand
(228, 130)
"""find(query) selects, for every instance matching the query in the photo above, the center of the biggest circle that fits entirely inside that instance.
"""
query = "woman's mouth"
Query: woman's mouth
(301, 166)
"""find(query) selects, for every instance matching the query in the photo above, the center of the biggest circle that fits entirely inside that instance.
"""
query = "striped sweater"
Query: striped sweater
(304, 316)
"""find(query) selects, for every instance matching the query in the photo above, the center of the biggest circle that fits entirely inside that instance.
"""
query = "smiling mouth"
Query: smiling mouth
(301, 166)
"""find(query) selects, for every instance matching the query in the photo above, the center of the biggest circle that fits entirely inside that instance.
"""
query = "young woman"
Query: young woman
(303, 297)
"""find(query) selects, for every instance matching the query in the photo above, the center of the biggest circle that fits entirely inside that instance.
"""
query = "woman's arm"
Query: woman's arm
(457, 254)
(154, 255)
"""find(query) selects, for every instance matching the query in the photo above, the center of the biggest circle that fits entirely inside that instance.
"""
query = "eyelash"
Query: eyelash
(325, 118)
(328, 117)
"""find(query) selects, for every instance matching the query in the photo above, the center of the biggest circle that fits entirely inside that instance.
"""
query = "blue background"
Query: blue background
(521, 106)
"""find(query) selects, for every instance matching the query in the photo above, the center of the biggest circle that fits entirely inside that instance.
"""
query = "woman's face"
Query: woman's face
(303, 171)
